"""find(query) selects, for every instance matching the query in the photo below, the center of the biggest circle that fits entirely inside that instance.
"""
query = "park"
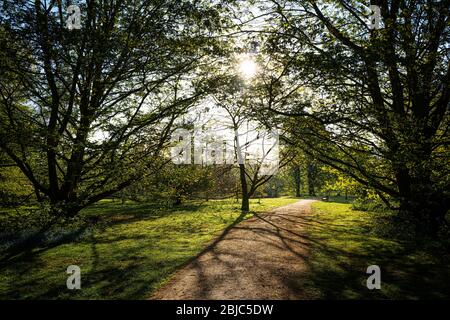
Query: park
(224, 150)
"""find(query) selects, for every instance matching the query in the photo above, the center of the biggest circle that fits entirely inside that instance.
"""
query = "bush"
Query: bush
(14, 187)
(36, 226)
(372, 205)
(388, 223)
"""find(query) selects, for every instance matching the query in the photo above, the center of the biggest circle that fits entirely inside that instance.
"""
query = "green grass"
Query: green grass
(132, 250)
(345, 242)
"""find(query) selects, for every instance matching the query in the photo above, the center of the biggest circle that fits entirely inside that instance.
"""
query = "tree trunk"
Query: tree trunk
(177, 201)
(425, 216)
(419, 203)
(297, 180)
(244, 189)
(311, 180)
(245, 206)
(39, 197)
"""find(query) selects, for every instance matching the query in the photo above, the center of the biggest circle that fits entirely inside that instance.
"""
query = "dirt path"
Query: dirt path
(259, 258)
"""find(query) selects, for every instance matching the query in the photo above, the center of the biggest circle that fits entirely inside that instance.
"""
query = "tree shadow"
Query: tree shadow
(243, 250)
(110, 269)
(331, 272)
(35, 244)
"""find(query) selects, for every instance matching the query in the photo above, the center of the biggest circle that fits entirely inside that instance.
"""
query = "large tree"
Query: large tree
(84, 111)
(378, 102)
(255, 146)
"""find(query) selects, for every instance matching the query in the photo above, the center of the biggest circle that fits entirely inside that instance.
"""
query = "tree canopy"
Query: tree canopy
(86, 112)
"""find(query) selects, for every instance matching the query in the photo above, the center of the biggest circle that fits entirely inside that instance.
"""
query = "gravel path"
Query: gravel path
(260, 258)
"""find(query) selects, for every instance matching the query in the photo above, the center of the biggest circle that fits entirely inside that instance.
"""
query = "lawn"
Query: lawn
(344, 242)
(131, 250)
(134, 248)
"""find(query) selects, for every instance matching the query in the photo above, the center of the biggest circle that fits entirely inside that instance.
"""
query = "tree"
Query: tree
(297, 179)
(379, 108)
(339, 183)
(14, 186)
(84, 112)
(234, 98)
(180, 182)
(312, 174)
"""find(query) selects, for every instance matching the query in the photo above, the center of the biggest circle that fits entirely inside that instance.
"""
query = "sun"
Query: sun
(247, 68)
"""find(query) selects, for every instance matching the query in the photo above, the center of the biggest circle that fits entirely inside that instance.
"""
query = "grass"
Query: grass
(131, 250)
(345, 242)
(134, 248)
